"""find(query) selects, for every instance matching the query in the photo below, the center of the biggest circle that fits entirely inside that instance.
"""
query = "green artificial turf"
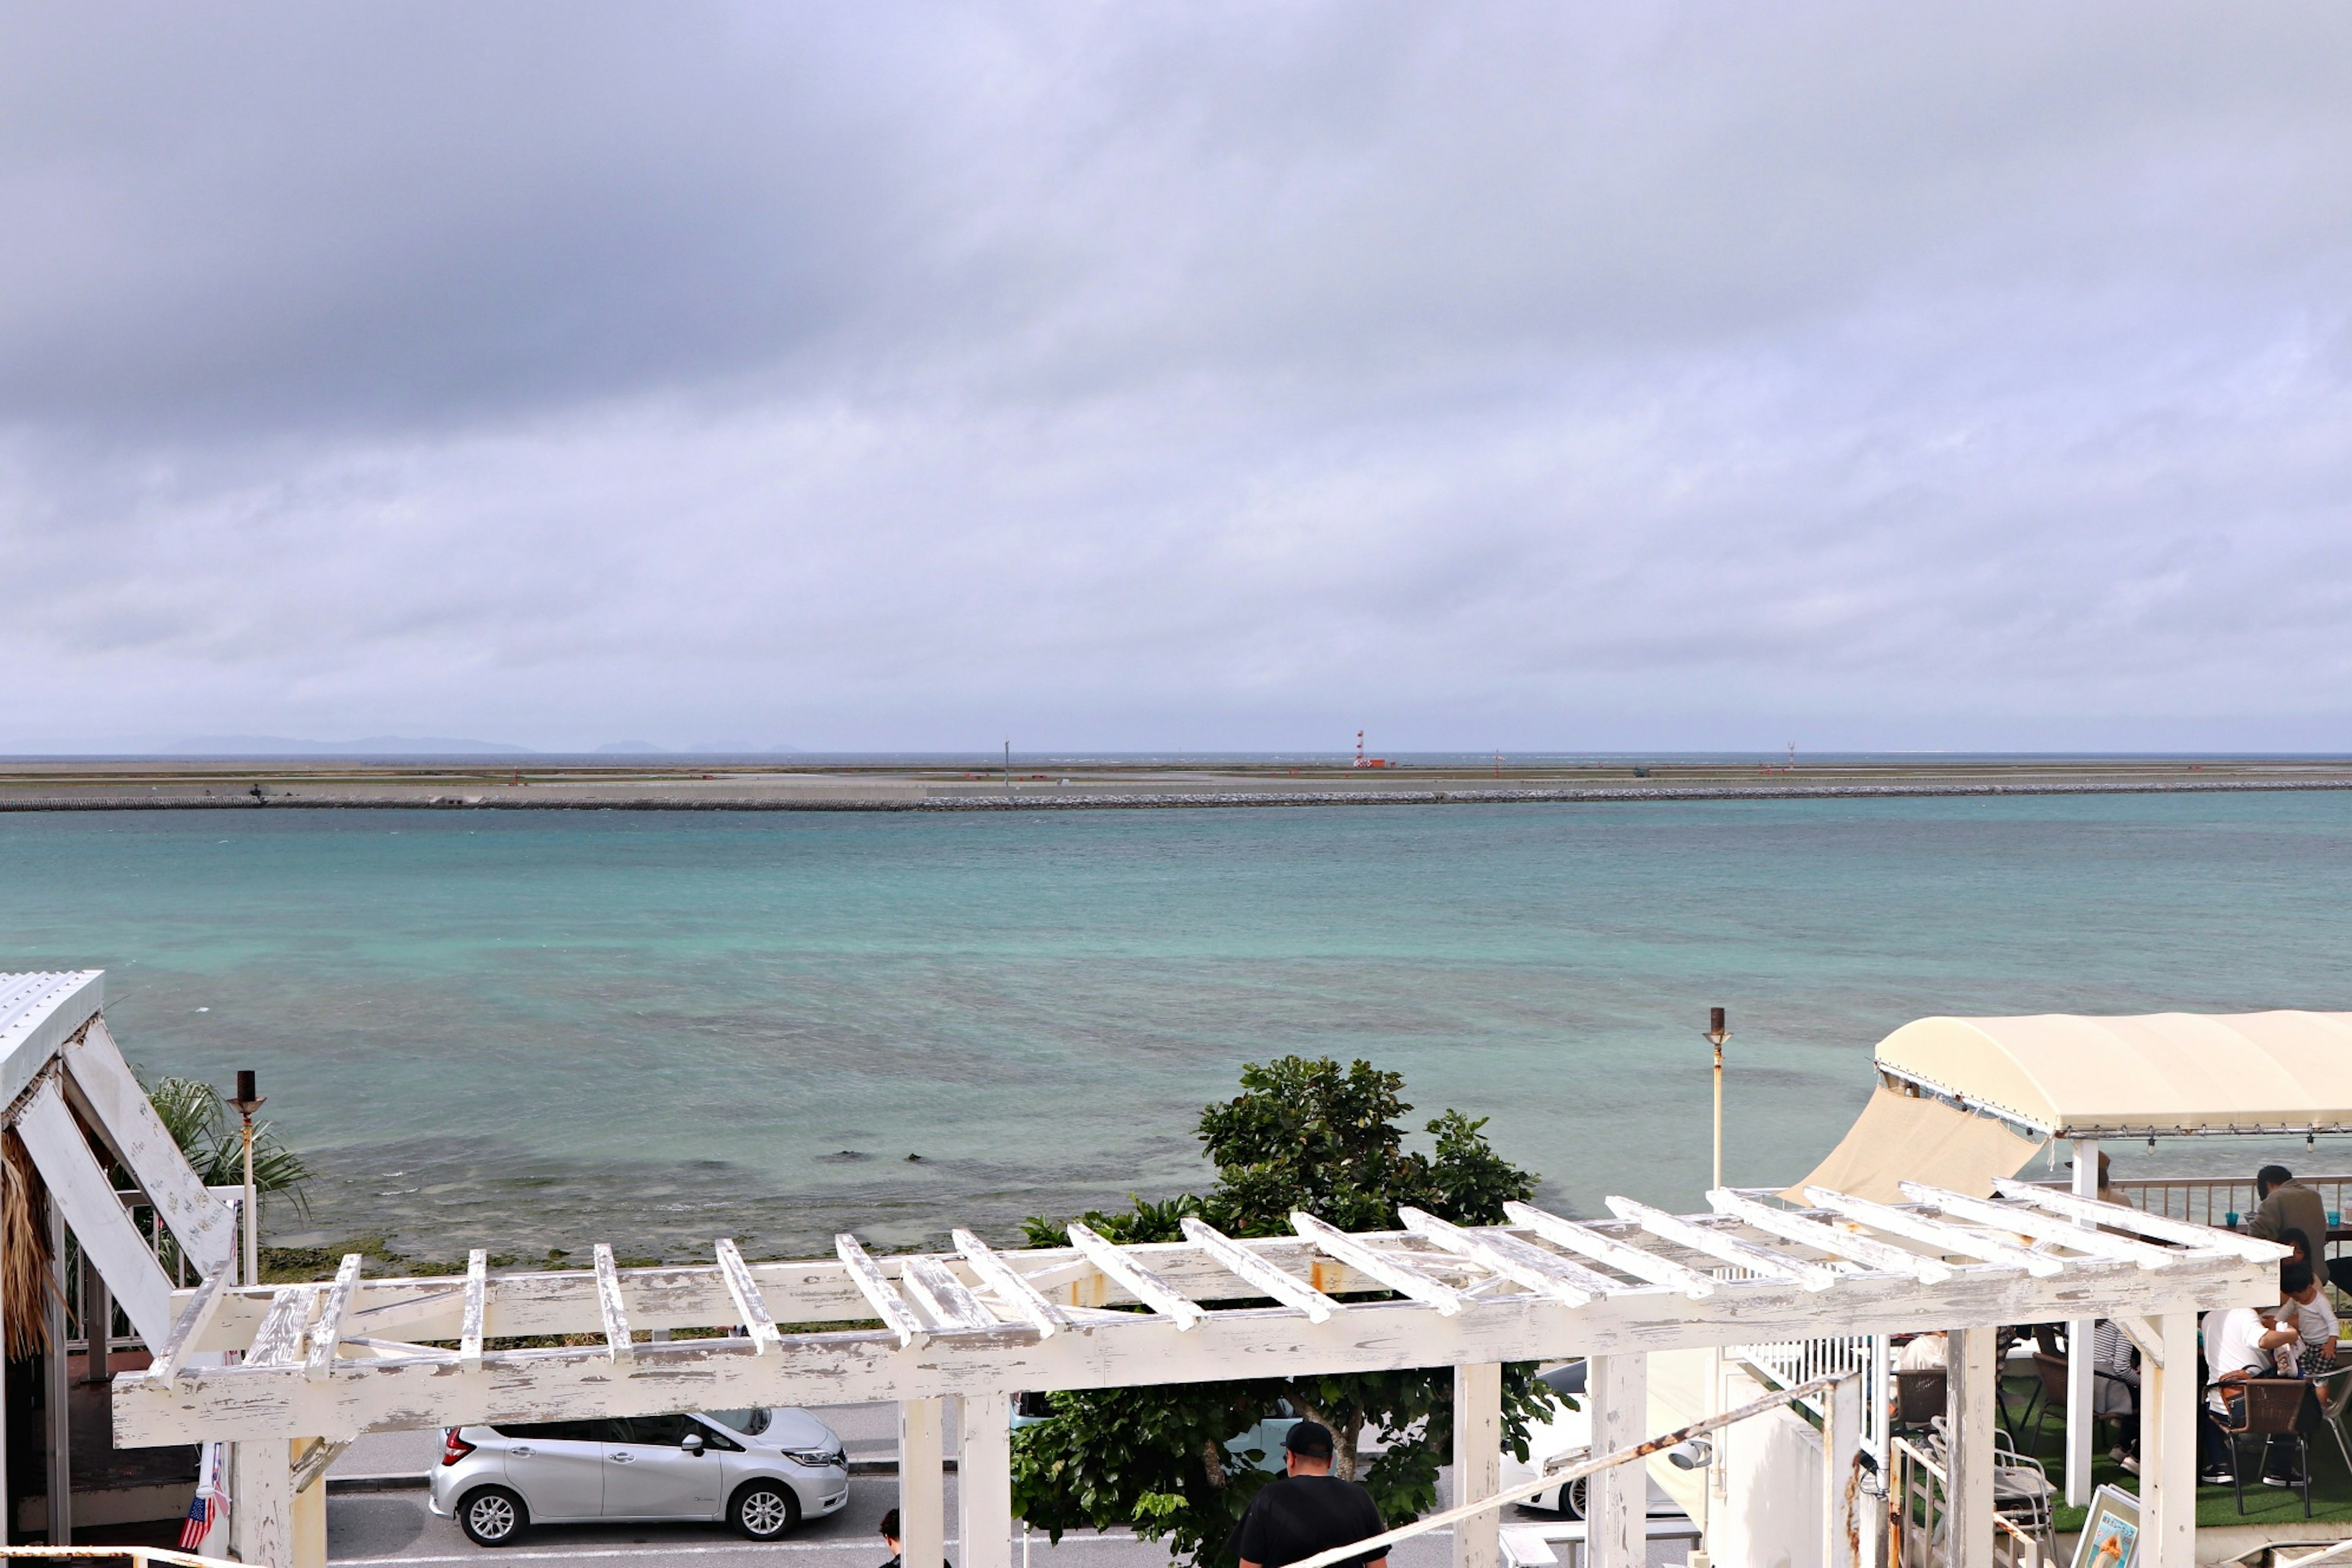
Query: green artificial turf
(2331, 1483)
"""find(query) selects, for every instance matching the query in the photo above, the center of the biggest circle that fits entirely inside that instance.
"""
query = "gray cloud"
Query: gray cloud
(1695, 375)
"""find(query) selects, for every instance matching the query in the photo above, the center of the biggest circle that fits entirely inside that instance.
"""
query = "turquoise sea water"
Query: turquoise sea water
(542, 1029)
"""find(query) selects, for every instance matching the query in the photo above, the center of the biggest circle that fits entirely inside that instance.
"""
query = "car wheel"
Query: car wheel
(1572, 1498)
(492, 1516)
(764, 1509)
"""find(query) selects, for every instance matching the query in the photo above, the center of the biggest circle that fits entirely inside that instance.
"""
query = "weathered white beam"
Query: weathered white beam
(469, 1326)
(1841, 1495)
(1617, 1510)
(984, 1481)
(83, 1193)
(2146, 1337)
(1866, 1250)
(880, 1294)
(2044, 1227)
(137, 1137)
(1971, 1392)
(1011, 1289)
(261, 1527)
(953, 1309)
(1146, 1286)
(744, 1292)
(1477, 1461)
(1514, 1259)
(2160, 1228)
(922, 1487)
(1392, 1272)
(2081, 1372)
(1641, 1263)
(314, 1462)
(279, 1342)
(2168, 1448)
(1730, 1248)
(1945, 1238)
(188, 1330)
(329, 1334)
(618, 1343)
(1253, 1267)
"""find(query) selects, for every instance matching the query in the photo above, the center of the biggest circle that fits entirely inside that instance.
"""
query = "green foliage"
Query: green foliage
(212, 1137)
(1304, 1133)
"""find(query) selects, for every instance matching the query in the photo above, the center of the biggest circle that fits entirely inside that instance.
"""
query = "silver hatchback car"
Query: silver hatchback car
(761, 1470)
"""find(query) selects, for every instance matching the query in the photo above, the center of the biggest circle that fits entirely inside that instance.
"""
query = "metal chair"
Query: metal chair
(2052, 1372)
(2333, 1390)
(2271, 1408)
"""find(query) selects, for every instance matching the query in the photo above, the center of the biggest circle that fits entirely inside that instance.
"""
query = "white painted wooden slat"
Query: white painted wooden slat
(477, 1294)
(1514, 1259)
(2161, 1227)
(329, 1334)
(279, 1342)
(1866, 1250)
(205, 1230)
(2145, 1337)
(1011, 1289)
(880, 1294)
(749, 1304)
(1618, 1255)
(314, 1463)
(2043, 1227)
(953, 1309)
(1123, 1349)
(188, 1330)
(1247, 1266)
(617, 1341)
(1394, 1273)
(1730, 1249)
(1945, 1238)
(82, 1192)
(1140, 1282)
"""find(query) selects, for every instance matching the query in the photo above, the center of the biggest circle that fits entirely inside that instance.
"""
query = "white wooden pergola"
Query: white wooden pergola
(315, 1365)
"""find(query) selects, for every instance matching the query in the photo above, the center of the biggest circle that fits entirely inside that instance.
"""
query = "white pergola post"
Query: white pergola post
(1840, 1443)
(261, 1501)
(1477, 1461)
(1617, 1500)
(984, 1481)
(2082, 1385)
(923, 1488)
(1970, 1371)
(306, 1519)
(2167, 1446)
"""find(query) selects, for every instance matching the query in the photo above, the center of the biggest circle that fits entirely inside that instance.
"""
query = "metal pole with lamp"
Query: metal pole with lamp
(1715, 1035)
(247, 1102)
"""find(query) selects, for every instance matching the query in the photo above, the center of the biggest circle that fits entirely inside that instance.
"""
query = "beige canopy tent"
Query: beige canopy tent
(2164, 1073)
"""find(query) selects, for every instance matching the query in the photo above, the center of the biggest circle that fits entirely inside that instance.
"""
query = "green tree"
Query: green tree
(1303, 1134)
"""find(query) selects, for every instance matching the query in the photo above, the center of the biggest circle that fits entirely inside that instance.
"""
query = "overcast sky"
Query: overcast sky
(1134, 376)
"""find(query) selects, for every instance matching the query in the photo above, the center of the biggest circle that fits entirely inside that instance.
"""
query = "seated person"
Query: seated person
(2306, 1309)
(1926, 1352)
(2240, 1343)
(2115, 1387)
(2107, 1191)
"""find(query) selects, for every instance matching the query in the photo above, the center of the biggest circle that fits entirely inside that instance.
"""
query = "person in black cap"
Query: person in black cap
(890, 1539)
(1309, 1510)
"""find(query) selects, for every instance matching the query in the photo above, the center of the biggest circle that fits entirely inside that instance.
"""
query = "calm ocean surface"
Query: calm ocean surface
(529, 1030)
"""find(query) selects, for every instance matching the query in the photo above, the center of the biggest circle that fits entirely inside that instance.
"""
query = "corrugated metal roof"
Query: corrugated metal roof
(37, 1010)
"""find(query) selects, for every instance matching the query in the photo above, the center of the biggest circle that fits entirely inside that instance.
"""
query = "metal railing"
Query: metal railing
(1917, 1495)
(2210, 1200)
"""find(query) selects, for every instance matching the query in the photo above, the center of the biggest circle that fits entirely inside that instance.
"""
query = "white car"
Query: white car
(761, 1470)
(1555, 1445)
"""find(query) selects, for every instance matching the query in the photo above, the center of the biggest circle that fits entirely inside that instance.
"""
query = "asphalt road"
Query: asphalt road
(396, 1528)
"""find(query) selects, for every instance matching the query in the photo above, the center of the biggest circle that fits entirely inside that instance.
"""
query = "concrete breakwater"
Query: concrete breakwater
(249, 786)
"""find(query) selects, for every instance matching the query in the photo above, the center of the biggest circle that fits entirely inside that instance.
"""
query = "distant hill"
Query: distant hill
(373, 746)
(632, 747)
